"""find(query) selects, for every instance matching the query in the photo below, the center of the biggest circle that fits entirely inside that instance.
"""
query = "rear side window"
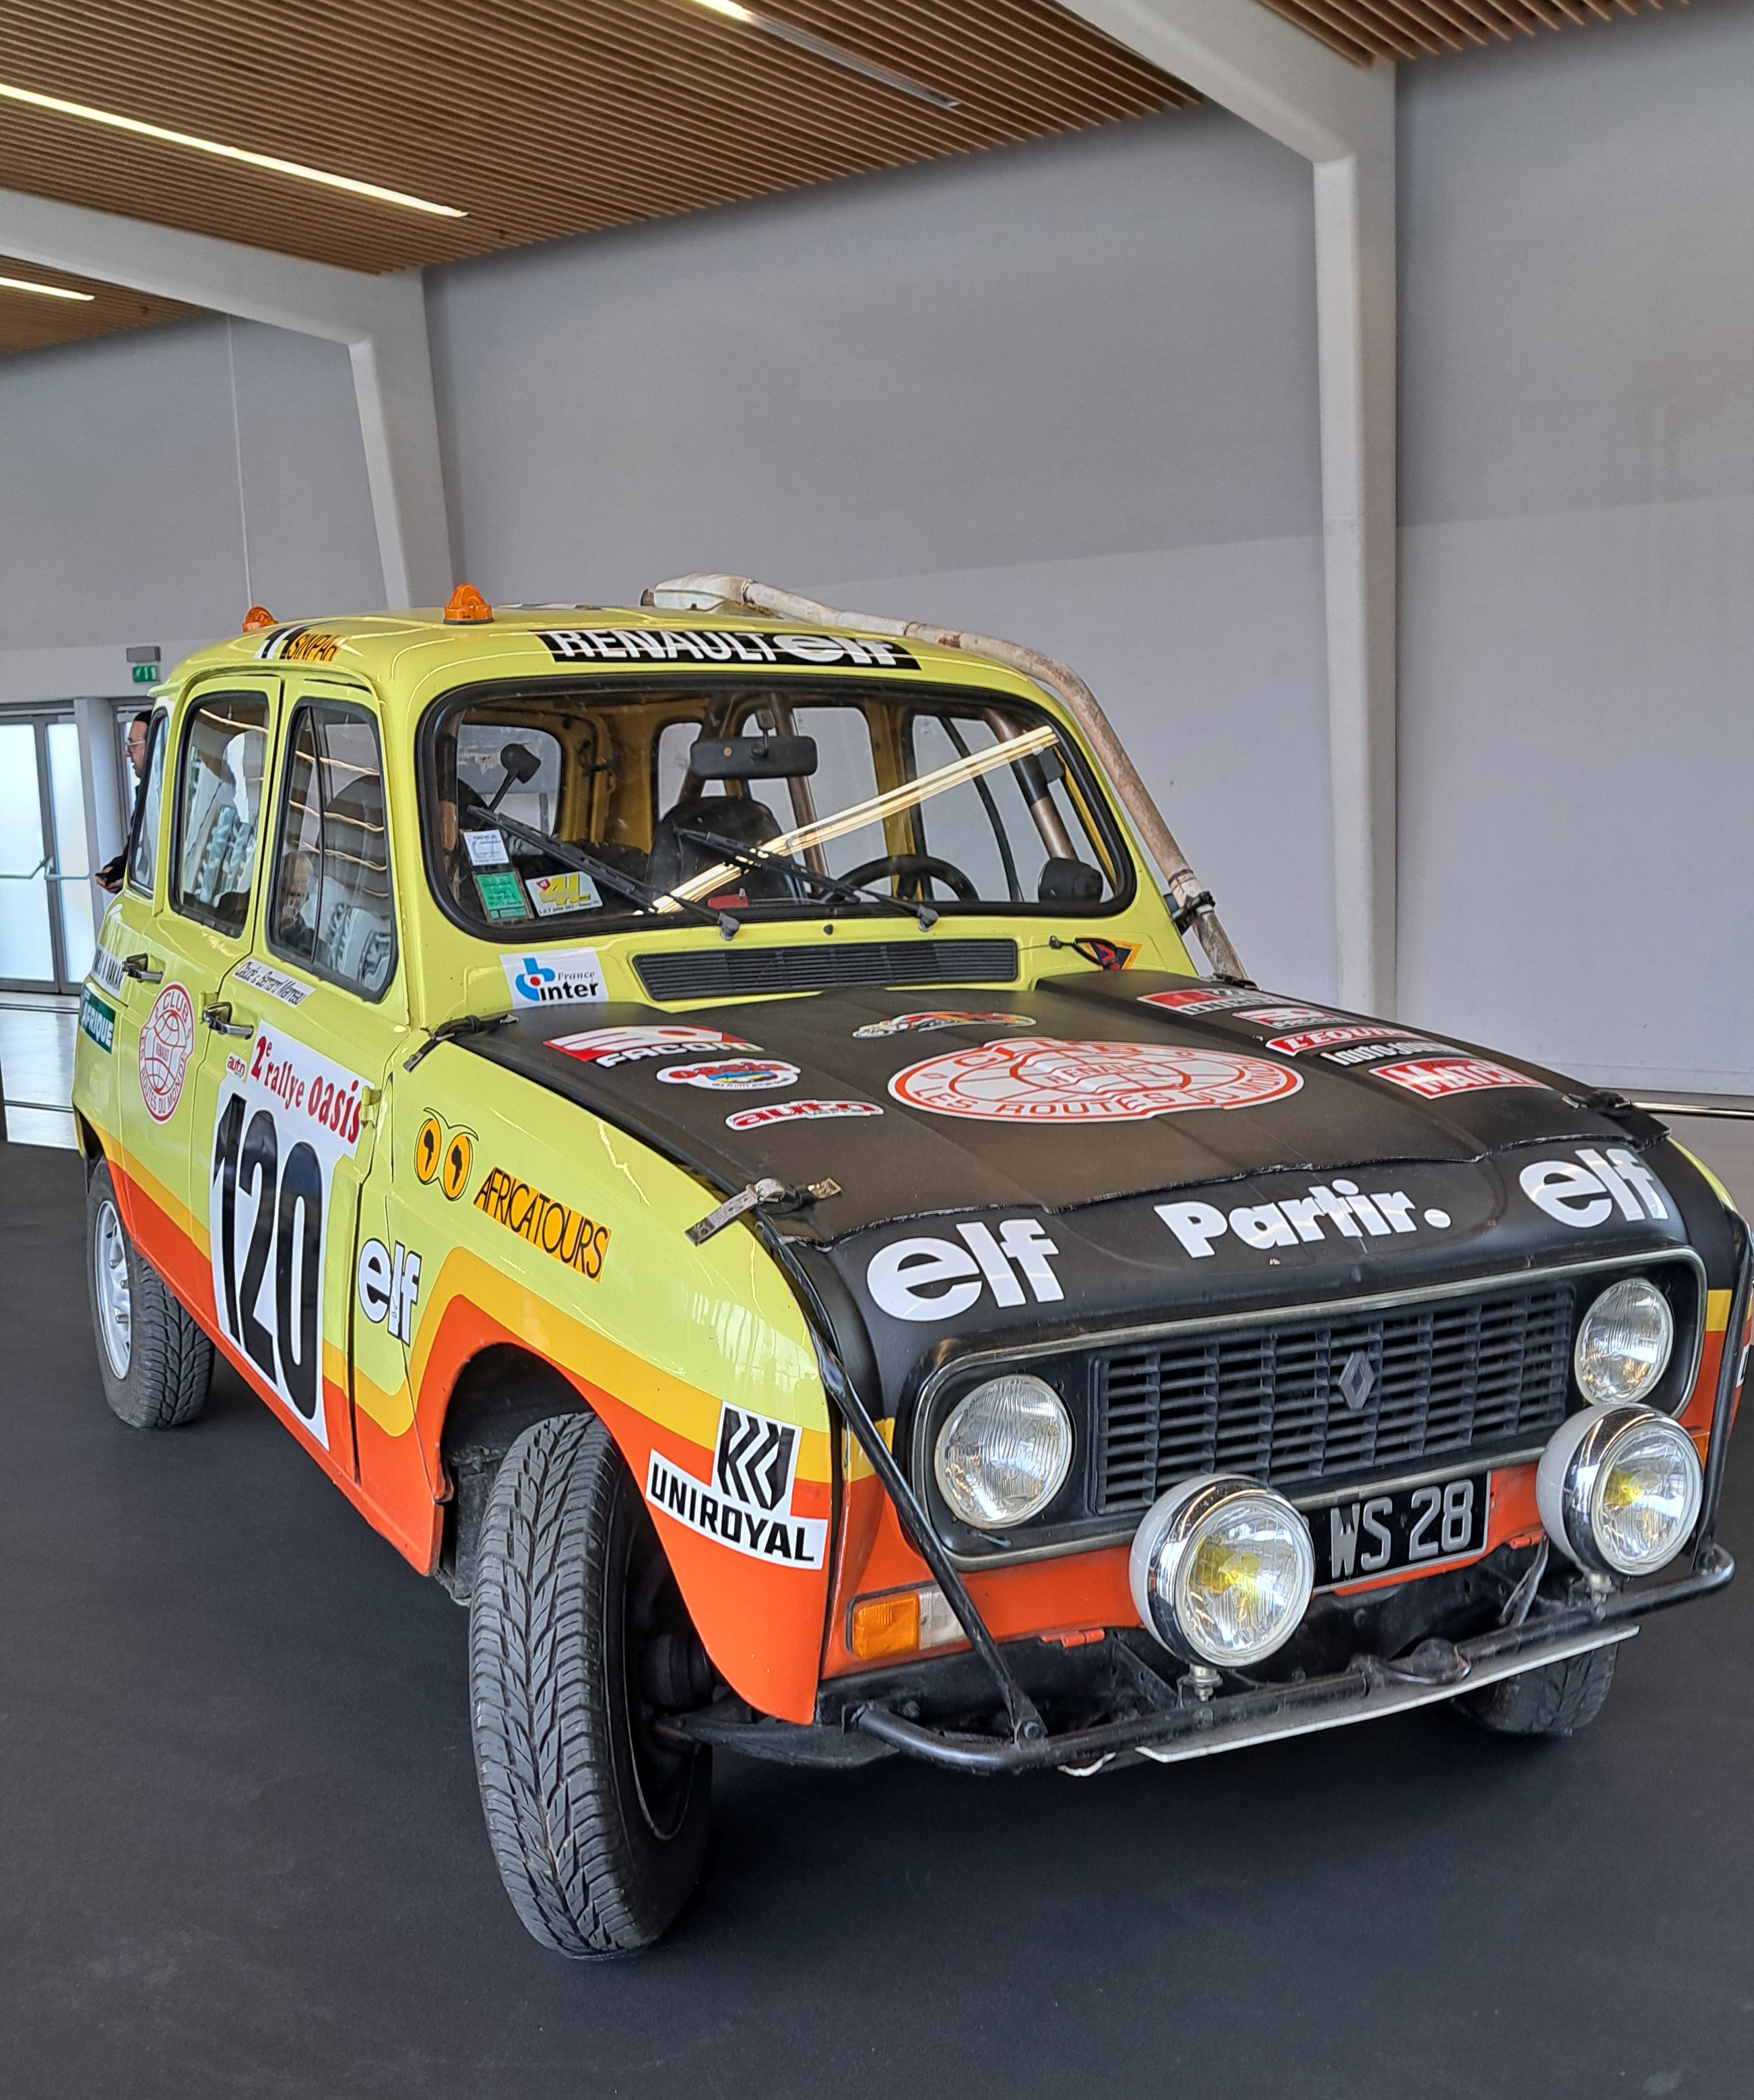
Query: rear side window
(225, 751)
(330, 907)
(143, 847)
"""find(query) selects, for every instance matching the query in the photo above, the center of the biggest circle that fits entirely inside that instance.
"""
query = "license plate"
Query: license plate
(1403, 1531)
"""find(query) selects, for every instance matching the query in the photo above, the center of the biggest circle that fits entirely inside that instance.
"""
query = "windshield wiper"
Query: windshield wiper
(628, 886)
(825, 885)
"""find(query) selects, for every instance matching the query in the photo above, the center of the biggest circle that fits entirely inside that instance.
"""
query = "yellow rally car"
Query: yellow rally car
(701, 1120)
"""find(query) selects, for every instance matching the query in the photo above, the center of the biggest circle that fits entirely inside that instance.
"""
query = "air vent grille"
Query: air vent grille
(739, 973)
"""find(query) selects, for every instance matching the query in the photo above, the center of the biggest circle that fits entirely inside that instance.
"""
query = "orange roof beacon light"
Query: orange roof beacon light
(256, 618)
(467, 606)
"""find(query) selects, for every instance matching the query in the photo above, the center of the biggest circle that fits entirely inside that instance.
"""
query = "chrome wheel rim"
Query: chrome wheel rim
(115, 1300)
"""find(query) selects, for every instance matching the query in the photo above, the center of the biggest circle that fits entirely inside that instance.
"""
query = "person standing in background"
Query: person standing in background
(109, 876)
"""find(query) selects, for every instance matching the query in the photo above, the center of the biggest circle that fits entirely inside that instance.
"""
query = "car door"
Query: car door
(199, 927)
(289, 1096)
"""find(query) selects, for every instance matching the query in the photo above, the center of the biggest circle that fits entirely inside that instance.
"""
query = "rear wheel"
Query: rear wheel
(579, 1643)
(155, 1362)
(1555, 1699)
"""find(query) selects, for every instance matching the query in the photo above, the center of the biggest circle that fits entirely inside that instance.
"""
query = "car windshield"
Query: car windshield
(600, 804)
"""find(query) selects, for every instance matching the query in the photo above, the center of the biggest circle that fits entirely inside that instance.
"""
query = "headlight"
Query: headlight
(1619, 1489)
(1004, 1452)
(1623, 1343)
(1222, 1570)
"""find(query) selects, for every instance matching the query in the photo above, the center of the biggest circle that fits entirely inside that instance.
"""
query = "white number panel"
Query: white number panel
(284, 1116)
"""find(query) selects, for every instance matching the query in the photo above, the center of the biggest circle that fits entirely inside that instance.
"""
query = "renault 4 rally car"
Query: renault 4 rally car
(701, 1121)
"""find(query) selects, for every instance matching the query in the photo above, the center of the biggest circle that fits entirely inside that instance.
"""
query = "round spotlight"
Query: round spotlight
(1222, 1570)
(1624, 1343)
(1619, 1489)
(1004, 1452)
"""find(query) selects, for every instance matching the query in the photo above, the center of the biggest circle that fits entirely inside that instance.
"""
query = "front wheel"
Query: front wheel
(1556, 1699)
(599, 1826)
(155, 1362)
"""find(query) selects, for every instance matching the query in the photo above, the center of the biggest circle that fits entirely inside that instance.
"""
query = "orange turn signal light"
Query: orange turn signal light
(467, 606)
(902, 1622)
(256, 618)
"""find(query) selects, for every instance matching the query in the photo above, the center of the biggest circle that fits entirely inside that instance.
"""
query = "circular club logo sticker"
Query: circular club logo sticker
(1085, 1082)
(165, 1042)
(732, 1075)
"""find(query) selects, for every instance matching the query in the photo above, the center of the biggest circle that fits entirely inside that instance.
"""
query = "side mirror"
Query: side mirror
(753, 758)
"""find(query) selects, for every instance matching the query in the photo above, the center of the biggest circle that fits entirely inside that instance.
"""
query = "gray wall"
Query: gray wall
(1067, 393)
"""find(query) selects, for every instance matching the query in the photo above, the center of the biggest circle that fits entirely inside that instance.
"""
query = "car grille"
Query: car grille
(1311, 1400)
(819, 966)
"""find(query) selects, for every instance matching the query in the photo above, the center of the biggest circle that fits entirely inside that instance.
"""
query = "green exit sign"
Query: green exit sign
(146, 674)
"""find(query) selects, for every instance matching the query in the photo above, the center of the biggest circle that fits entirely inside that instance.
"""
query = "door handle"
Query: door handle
(217, 1014)
(140, 968)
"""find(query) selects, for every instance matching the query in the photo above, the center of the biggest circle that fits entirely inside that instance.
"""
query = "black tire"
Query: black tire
(1556, 1699)
(155, 1362)
(599, 1830)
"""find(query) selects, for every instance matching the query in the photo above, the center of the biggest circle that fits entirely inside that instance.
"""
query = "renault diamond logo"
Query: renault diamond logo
(1357, 1380)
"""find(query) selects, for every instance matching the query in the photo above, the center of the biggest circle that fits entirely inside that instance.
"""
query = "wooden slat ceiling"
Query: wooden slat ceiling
(537, 118)
(28, 321)
(1366, 30)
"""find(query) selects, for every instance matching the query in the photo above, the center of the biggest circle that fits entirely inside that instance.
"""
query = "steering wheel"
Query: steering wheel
(918, 866)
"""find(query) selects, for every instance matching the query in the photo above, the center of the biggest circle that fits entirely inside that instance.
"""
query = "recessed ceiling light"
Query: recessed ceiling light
(267, 160)
(45, 291)
(821, 48)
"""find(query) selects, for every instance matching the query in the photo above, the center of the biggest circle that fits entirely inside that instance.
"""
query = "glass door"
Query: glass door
(48, 934)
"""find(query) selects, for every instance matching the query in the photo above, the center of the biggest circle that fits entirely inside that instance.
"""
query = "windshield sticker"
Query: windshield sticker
(1588, 1193)
(1049, 1082)
(271, 984)
(165, 1042)
(732, 1075)
(1200, 999)
(570, 1237)
(501, 897)
(923, 1024)
(97, 1019)
(798, 1112)
(1323, 1039)
(626, 1046)
(934, 1279)
(1432, 1078)
(571, 890)
(553, 979)
(282, 1121)
(747, 1503)
(719, 645)
(486, 849)
(1342, 1209)
(1285, 1017)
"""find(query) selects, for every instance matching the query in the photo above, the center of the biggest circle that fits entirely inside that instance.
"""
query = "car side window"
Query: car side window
(225, 752)
(330, 908)
(143, 847)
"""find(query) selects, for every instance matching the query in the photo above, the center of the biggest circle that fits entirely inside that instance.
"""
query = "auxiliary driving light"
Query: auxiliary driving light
(1619, 1489)
(1222, 1570)
(1624, 1342)
(1004, 1452)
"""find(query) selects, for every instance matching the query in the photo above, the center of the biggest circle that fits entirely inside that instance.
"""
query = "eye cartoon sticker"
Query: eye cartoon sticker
(1051, 1082)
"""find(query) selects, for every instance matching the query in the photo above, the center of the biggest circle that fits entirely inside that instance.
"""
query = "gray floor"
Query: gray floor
(241, 1852)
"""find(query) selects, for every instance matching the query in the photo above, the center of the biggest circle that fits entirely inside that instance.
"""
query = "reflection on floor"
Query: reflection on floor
(37, 1037)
